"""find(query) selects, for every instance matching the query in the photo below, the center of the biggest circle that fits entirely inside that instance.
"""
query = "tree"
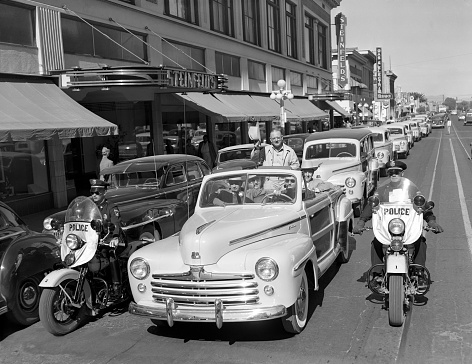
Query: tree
(464, 106)
(419, 96)
(450, 103)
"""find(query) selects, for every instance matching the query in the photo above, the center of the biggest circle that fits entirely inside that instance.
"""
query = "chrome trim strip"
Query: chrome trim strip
(124, 228)
(239, 240)
(194, 314)
(12, 234)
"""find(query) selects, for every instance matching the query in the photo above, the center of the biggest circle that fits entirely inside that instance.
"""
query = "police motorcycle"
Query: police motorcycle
(397, 226)
(84, 286)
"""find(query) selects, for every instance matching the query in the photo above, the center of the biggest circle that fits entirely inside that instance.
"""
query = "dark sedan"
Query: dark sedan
(25, 257)
(297, 142)
(155, 194)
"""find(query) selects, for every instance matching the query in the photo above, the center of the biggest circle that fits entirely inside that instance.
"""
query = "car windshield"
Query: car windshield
(82, 209)
(235, 154)
(331, 150)
(377, 137)
(249, 189)
(145, 179)
(396, 131)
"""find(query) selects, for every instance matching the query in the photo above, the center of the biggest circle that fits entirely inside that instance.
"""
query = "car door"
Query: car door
(321, 221)
(176, 185)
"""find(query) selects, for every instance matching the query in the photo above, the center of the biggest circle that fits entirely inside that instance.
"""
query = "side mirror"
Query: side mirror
(374, 200)
(96, 225)
(419, 200)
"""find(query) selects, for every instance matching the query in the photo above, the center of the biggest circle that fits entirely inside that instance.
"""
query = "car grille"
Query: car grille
(231, 289)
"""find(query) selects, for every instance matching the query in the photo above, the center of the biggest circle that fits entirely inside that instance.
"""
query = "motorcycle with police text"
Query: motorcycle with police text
(398, 226)
(93, 259)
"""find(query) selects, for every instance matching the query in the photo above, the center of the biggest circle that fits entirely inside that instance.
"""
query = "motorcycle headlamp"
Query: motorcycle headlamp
(396, 227)
(50, 223)
(73, 242)
(350, 182)
(139, 268)
(69, 259)
(267, 269)
(419, 200)
(396, 245)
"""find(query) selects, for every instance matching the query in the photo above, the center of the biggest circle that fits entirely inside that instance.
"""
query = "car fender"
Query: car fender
(55, 278)
(352, 193)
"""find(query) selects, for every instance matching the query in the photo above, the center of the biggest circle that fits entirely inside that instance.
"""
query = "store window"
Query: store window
(273, 25)
(23, 169)
(251, 29)
(81, 38)
(291, 29)
(222, 16)
(310, 23)
(17, 24)
(227, 64)
(183, 55)
(182, 9)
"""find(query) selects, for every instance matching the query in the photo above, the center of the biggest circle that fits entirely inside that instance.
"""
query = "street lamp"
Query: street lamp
(281, 94)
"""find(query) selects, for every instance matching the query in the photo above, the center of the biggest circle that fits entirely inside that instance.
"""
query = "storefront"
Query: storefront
(39, 127)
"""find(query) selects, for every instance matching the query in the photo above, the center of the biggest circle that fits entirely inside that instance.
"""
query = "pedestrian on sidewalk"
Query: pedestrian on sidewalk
(449, 125)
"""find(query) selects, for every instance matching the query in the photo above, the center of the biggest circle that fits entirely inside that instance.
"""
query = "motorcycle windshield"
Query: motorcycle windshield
(82, 209)
(402, 191)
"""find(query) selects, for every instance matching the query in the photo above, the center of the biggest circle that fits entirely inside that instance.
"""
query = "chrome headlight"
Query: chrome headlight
(73, 242)
(396, 227)
(419, 200)
(350, 182)
(50, 223)
(380, 155)
(267, 269)
(139, 268)
(403, 143)
(396, 245)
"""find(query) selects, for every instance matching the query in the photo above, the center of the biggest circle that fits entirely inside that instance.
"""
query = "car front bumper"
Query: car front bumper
(217, 313)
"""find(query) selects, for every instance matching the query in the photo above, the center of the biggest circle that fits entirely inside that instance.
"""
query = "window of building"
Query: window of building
(192, 58)
(17, 24)
(222, 16)
(277, 74)
(273, 25)
(312, 84)
(322, 46)
(310, 39)
(291, 24)
(227, 64)
(80, 38)
(23, 169)
(256, 70)
(251, 30)
(182, 9)
(296, 79)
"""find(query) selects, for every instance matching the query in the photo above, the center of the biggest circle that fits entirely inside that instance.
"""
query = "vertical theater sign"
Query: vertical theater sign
(341, 23)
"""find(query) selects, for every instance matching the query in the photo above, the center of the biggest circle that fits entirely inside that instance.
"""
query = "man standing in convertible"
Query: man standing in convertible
(398, 189)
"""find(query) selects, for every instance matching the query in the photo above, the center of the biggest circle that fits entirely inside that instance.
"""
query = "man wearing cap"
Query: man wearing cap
(398, 189)
(110, 213)
(255, 191)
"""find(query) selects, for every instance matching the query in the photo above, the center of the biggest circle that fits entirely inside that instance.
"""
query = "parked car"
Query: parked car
(415, 129)
(297, 142)
(384, 151)
(462, 117)
(399, 136)
(345, 157)
(236, 157)
(25, 257)
(468, 118)
(424, 128)
(409, 133)
(155, 194)
(244, 261)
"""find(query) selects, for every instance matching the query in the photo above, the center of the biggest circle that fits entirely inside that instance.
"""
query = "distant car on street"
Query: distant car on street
(468, 118)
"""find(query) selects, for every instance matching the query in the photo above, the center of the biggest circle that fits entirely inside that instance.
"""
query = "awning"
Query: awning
(40, 110)
(228, 107)
(296, 109)
(338, 108)
(354, 83)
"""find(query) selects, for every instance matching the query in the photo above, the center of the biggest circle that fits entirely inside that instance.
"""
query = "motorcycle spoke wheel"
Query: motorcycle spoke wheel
(396, 300)
(56, 313)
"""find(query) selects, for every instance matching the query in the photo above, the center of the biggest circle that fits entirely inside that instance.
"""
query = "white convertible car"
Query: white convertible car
(257, 242)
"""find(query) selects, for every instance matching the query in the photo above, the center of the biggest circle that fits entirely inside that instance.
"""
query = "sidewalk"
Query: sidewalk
(35, 221)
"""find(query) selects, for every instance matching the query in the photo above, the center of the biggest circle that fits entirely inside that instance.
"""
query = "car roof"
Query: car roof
(240, 146)
(340, 133)
(299, 135)
(150, 163)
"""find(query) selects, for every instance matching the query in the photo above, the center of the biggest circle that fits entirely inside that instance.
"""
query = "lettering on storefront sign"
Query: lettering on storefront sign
(341, 23)
(187, 79)
(378, 52)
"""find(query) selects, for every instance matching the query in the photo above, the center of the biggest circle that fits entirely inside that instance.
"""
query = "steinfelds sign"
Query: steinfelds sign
(188, 79)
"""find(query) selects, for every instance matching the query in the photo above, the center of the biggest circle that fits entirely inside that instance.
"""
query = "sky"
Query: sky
(426, 43)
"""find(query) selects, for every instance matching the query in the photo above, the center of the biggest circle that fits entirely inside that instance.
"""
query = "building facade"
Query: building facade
(254, 43)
